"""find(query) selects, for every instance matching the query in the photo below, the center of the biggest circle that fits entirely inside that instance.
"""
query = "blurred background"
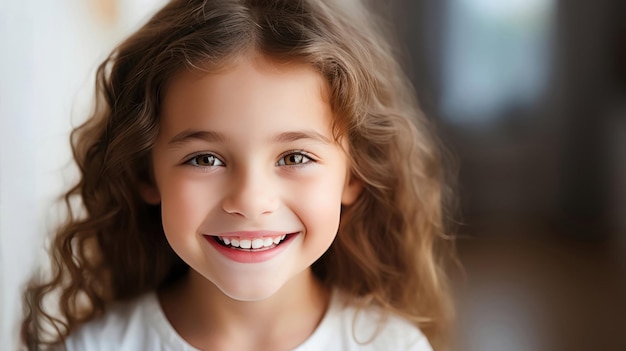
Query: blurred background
(530, 95)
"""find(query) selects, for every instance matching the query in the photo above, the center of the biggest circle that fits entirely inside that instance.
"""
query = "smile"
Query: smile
(251, 243)
(251, 247)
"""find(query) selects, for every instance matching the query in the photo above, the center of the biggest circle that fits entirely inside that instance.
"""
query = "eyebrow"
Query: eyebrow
(211, 136)
(299, 135)
(192, 134)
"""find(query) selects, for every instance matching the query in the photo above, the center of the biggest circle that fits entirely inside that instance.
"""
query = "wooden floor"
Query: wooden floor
(532, 289)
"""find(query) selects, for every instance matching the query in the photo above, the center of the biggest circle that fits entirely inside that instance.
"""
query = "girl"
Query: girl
(256, 176)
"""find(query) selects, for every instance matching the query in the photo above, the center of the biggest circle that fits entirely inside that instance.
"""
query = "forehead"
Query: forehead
(253, 90)
(249, 71)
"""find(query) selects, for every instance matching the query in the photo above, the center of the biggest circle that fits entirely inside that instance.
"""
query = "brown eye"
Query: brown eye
(205, 160)
(293, 159)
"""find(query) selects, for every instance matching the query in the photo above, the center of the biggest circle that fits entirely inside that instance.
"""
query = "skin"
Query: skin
(249, 148)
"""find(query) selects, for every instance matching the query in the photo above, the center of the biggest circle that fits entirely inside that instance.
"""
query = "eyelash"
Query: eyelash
(304, 158)
(193, 160)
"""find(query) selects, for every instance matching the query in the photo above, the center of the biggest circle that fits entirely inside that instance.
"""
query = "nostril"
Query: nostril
(251, 206)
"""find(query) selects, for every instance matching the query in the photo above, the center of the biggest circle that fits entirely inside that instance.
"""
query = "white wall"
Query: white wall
(48, 54)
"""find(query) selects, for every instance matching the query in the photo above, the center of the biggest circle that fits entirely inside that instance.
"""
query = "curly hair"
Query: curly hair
(392, 243)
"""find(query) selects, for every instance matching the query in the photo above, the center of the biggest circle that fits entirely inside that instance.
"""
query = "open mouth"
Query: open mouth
(252, 244)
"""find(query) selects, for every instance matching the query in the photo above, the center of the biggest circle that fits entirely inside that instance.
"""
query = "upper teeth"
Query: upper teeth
(254, 243)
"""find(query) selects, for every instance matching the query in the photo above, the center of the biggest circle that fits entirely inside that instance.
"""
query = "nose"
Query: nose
(251, 194)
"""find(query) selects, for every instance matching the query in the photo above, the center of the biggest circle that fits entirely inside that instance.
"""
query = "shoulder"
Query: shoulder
(134, 325)
(384, 331)
(347, 327)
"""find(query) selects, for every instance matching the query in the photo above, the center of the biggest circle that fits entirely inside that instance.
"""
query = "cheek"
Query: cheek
(319, 203)
(184, 205)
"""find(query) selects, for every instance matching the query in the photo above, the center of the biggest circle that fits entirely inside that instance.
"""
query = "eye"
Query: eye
(294, 159)
(205, 160)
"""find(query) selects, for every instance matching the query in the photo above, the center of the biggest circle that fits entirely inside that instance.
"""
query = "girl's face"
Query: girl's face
(249, 177)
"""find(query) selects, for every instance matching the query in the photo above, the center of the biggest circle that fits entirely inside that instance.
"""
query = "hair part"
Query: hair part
(392, 241)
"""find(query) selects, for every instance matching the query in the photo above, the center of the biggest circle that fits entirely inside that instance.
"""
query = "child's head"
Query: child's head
(246, 157)
(186, 123)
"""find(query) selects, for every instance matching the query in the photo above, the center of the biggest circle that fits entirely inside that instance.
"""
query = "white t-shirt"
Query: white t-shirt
(142, 325)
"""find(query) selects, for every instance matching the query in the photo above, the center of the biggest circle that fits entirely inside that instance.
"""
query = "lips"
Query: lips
(250, 247)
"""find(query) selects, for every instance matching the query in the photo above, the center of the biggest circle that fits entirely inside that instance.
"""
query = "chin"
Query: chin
(249, 293)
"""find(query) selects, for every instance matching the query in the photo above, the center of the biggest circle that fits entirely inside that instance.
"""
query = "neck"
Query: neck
(204, 316)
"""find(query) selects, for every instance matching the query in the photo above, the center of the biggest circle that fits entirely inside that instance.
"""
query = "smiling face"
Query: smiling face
(249, 177)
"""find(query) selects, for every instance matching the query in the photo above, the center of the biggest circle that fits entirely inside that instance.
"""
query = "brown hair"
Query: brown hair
(391, 242)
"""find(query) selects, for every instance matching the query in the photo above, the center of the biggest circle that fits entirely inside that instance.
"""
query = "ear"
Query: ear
(149, 193)
(351, 190)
